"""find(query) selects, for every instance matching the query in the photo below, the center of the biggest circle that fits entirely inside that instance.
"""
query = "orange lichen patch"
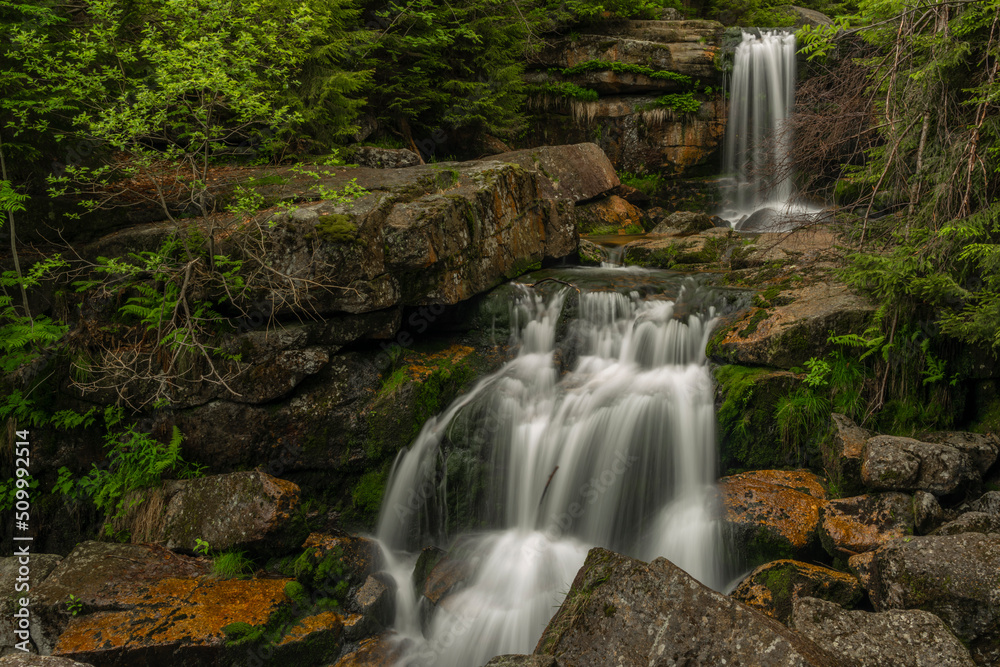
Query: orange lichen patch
(373, 652)
(855, 525)
(783, 512)
(802, 481)
(175, 611)
(773, 587)
(861, 566)
(428, 363)
(328, 621)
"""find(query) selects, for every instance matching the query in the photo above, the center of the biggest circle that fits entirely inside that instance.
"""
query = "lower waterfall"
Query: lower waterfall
(599, 432)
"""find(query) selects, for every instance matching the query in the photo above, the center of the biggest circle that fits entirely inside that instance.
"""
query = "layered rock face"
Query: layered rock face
(627, 114)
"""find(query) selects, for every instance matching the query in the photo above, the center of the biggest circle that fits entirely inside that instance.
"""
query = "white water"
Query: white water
(758, 138)
(617, 452)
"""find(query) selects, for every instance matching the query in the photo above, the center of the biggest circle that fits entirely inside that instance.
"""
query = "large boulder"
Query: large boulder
(250, 511)
(144, 605)
(954, 577)
(623, 611)
(683, 223)
(773, 587)
(982, 448)
(772, 513)
(609, 216)
(788, 335)
(909, 638)
(850, 526)
(970, 522)
(893, 463)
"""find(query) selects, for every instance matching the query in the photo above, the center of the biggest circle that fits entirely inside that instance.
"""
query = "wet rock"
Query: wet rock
(426, 562)
(850, 526)
(31, 660)
(971, 522)
(904, 464)
(609, 216)
(927, 512)
(773, 587)
(790, 334)
(844, 459)
(624, 611)
(252, 511)
(373, 652)
(952, 576)
(32, 573)
(683, 223)
(982, 448)
(771, 513)
(376, 600)
(383, 158)
(761, 220)
(668, 251)
(592, 254)
(448, 576)
(310, 640)
(899, 638)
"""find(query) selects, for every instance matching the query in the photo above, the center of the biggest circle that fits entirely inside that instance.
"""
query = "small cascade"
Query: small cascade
(758, 139)
(538, 463)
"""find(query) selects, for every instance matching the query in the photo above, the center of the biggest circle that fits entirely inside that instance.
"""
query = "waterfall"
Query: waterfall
(758, 139)
(540, 462)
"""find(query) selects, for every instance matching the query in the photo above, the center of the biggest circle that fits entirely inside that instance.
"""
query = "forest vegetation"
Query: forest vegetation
(107, 103)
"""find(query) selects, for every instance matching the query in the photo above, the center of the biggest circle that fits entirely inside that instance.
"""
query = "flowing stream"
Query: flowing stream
(758, 138)
(600, 431)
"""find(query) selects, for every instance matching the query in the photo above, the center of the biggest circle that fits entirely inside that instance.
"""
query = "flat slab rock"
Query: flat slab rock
(142, 604)
(791, 334)
(955, 577)
(772, 512)
(911, 638)
(622, 611)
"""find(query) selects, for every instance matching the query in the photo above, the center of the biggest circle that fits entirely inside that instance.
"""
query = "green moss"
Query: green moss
(764, 546)
(748, 433)
(759, 316)
(626, 68)
(336, 228)
(366, 495)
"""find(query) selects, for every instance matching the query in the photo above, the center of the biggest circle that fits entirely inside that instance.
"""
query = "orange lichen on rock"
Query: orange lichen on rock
(326, 622)
(173, 612)
(762, 500)
(428, 363)
(854, 525)
(773, 587)
(373, 652)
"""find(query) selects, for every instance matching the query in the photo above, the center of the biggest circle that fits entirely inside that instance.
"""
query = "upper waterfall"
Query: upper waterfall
(758, 136)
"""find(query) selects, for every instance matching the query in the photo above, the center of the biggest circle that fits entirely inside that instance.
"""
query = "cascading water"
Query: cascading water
(758, 138)
(546, 462)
